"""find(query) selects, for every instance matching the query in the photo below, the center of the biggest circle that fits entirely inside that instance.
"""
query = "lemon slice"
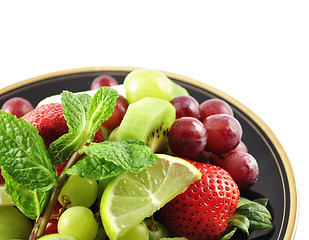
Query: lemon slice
(57, 236)
(5, 199)
(129, 198)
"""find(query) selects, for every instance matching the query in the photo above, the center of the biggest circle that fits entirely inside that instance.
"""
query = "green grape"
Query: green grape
(79, 222)
(142, 83)
(5, 199)
(13, 224)
(101, 233)
(140, 232)
(79, 192)
(57, 236)
(156, 230)
(102, 185)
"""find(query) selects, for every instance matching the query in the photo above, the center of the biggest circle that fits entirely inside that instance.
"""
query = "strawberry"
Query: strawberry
(202, 211)
(49, 120)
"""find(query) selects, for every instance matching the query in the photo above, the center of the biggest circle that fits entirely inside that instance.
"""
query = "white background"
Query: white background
(255, 51)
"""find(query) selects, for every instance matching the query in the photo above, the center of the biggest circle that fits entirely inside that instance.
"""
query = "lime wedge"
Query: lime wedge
(5, 199)
(129, 198)
(57, 236)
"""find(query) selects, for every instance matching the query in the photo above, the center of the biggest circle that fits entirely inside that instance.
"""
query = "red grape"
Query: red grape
(187, 137)
(51, 227)
(208, 157)
(214, 106)
(241, 147)
(118, 113)
(2, 181)
(243, 168)
(224, 133)
(103, 80)
(186, 106)
(17, 106)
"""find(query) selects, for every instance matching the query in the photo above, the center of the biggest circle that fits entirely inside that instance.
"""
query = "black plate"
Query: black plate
(276, 181)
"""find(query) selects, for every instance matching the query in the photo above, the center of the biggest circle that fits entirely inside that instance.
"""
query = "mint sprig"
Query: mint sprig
(107, 159)
(31, 203)
(75, 108)
(84, 117)
(249, 216)
(23, 155)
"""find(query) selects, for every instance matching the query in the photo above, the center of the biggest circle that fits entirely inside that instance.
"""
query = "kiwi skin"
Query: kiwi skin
(149, 120)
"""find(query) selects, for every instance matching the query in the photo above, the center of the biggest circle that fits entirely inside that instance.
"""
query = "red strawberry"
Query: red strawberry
(49, 120)
(202, 211)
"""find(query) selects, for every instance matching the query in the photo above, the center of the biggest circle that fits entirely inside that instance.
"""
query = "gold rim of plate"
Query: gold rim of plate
(294, 201)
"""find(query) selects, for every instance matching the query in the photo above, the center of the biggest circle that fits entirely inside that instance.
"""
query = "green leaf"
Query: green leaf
(84, 117)
(258, 215)
(243, 201)
(108, 159)
(239, 221)
(132, 155)
(61, 149)
(94, 168)
(75, 108)
(23, 154)
(262, 201)
(100, 109)
(30, 203)
(228, 233)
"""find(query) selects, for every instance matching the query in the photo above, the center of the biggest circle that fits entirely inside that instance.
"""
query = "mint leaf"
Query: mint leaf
(132, 155)
(75, 108)
(61, 149)
(23, 155)
(94, 168)
(109, 159)
(29, 202)
(100, 109)
(84, 117)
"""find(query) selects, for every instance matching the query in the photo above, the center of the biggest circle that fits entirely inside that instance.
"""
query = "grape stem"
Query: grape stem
(40, 225)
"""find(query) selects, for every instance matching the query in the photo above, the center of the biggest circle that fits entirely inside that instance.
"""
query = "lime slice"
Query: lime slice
(129, 198)
(57, 236)
(5, 199)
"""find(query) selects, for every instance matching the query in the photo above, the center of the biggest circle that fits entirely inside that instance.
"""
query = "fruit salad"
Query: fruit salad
(142, 160)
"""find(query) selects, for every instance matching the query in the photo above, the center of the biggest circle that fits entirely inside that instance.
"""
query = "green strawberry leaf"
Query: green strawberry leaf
(258, 215)
(30, 203)
(262, 201)
(109, 159)
(75, 108)
(239, 221)
(249, 216)
(23, 155)
(228, 233)
(100, 109)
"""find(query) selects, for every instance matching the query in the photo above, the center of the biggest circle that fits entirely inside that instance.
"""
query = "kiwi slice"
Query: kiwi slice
(149, 120)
